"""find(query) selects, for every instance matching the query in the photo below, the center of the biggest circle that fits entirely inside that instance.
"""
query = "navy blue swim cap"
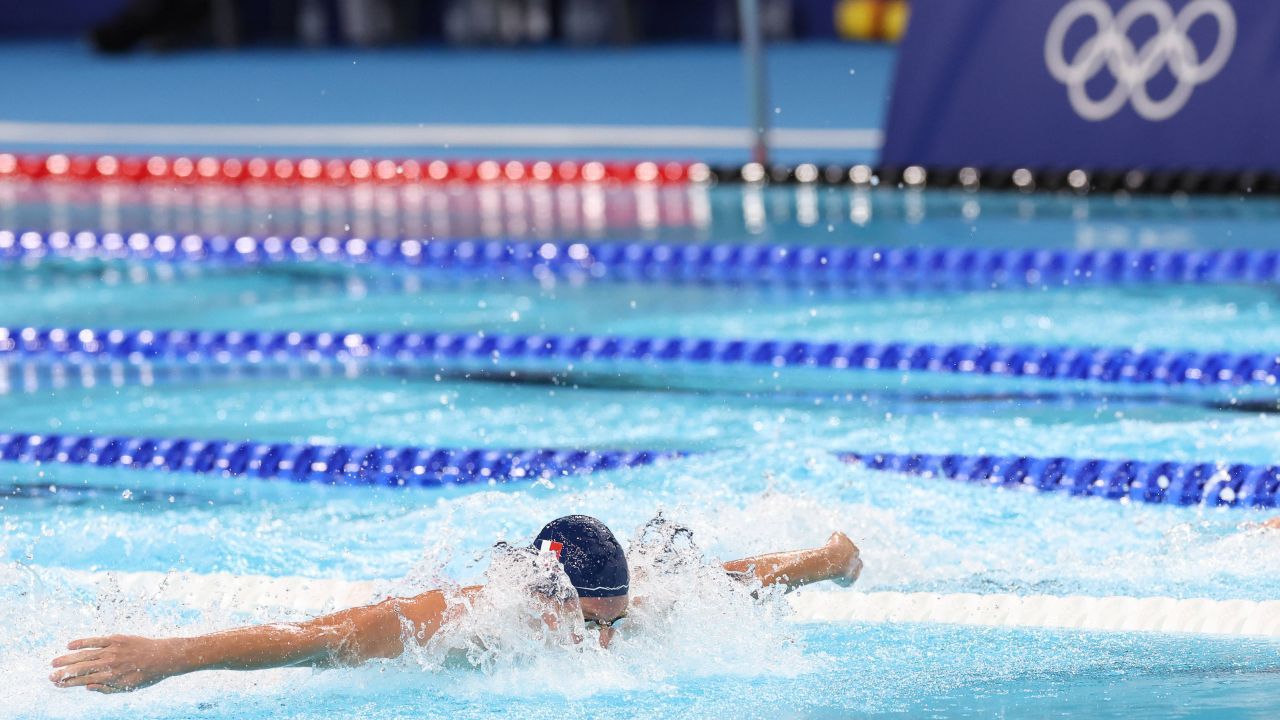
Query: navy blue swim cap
(592, 557)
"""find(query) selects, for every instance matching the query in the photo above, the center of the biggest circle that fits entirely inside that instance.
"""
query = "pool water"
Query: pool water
(1234, 317)
(763, 476)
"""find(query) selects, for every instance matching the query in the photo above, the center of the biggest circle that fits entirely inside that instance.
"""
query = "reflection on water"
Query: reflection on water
(736, 213)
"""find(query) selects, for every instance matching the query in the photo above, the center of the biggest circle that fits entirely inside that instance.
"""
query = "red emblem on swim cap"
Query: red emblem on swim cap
(552, 546)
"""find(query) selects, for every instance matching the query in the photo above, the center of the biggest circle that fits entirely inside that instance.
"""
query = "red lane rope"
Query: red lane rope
(285, 171)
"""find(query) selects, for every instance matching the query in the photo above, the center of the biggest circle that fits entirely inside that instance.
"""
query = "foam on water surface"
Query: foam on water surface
(711, 660)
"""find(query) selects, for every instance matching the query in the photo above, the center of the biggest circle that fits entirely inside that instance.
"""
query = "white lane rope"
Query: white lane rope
(371, 135)
(223, 591)
(1076, 612)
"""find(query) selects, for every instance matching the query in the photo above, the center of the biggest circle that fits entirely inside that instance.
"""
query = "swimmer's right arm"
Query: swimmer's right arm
(119, 663)
(838, 560)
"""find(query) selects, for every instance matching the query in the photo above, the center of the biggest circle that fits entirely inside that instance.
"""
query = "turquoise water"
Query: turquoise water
(804, 215)
(765, 479)
(1207, 318)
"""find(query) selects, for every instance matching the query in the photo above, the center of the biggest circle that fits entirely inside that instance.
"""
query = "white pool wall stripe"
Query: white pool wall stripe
(1116, 613)
(497, 135)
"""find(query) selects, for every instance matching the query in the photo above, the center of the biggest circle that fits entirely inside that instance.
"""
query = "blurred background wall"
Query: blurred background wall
(122, 25)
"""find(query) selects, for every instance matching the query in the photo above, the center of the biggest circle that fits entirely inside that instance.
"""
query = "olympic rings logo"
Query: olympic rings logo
(1134, 67)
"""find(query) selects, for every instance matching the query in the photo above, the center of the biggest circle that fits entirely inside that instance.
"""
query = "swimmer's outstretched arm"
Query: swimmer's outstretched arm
(838, 560)
(119, 663)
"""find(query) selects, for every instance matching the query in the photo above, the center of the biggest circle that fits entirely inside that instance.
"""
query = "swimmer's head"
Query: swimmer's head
(592, 557)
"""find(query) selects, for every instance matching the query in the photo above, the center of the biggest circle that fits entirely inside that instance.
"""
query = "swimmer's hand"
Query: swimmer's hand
(1272, 524)
(117, 663)
(846, 559)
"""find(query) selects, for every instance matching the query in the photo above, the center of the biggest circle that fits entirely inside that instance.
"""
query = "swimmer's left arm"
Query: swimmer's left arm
(119, 663)
(838, 560)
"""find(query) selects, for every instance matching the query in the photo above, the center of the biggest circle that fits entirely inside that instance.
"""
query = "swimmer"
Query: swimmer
(590, 555)
(1272, 524)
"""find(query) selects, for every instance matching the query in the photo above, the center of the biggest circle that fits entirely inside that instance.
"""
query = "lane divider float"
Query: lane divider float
(1110, 365)
(1117, 613)
(285, 171)
(322, 464)
(1126, 480)
(302, 171)
(711, 263)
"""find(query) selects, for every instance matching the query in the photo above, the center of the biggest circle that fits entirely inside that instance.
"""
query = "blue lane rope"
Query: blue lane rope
(329, 465)
(1172, 483)
(1095, 364)
(1178, 483)
(700, 263)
